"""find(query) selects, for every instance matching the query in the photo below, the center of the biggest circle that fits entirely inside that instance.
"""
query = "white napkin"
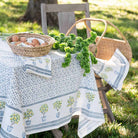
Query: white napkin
(38, 65)
(114, 70)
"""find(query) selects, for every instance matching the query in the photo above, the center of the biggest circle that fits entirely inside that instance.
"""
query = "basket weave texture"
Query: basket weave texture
(31, 51)
(106, 46)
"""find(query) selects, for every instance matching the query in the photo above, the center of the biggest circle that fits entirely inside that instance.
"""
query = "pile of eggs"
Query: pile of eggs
(27, 42)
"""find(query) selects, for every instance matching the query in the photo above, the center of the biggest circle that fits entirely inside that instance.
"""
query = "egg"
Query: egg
(29, 44)
(35, 42)
(44, 44)
(23, 39)
(17, 43)
(15, 38)
(37, 45)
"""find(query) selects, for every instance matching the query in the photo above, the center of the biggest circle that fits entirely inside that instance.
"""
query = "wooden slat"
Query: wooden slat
(65, 7)
(57, 133)
(87, 15)
(66, 20)
(99, 84)
(44, 18)
(105, 102)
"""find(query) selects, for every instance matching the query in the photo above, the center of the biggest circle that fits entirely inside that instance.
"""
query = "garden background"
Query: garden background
(124, 103)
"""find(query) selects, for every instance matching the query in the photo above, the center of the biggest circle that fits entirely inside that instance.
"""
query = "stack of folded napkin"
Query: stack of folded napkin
(38, 65)
(114, 70)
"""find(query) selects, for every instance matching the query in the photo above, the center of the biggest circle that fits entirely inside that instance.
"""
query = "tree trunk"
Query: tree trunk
(33, 12)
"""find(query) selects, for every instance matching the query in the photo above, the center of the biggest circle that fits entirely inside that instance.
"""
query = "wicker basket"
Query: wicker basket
(106, 46)
(31, 51)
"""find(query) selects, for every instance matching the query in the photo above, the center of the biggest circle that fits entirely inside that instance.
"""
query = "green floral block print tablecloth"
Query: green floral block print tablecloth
(30, 103)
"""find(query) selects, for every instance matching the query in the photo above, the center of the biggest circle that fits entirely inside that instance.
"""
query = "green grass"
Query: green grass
(10, 11)
(124, 103)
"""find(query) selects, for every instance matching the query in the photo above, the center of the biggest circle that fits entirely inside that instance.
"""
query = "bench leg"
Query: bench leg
(106, 107)
(57, 133)
(27, 136)
(66, 127)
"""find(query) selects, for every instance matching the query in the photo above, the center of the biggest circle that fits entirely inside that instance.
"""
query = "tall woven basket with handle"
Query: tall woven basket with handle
(106, 46)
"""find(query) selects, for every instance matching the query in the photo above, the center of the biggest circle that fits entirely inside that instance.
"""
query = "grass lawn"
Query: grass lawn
(124, 103)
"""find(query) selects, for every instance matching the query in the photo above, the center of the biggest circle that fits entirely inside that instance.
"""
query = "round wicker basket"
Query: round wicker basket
(31, 51)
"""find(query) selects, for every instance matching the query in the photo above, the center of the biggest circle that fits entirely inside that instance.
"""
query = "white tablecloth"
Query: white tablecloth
(31, 103)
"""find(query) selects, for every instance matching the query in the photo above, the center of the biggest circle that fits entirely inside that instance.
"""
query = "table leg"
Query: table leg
(57, 133)
(27, 136)
(66, 127)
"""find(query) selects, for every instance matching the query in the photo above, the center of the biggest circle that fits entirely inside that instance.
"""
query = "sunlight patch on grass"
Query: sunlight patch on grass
(123, 131)
(117, 109)
(2, 4)
(134, 64)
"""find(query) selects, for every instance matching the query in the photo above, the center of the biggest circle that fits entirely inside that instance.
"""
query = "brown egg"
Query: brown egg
(15, 38)
(23, 39)
(35, 42)
(18, 43)
(37, 46)
(44, 44)
(29, 44)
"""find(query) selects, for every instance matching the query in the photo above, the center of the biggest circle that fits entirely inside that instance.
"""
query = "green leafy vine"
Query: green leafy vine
(72, 44)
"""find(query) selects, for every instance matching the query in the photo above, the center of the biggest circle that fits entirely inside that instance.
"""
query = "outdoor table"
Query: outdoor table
(30, 103)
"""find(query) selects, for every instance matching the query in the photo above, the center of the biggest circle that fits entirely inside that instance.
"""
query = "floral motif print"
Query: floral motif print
(27, 115)
(23, 135)
(90, 98)
(107, 69)
(39, 59)
(57, 105)
(78, 94)
(14, 118)
(43, 110)
(33, 61)
(77, 97)
(2, 106)
(103, 75)
(70, 103)
(47, 60)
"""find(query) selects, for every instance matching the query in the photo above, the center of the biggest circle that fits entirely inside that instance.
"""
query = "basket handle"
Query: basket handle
(89, 19)
(100, 20)
(118, 31)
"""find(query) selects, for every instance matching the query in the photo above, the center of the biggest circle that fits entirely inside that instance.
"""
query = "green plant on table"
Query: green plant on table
(72, 44)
